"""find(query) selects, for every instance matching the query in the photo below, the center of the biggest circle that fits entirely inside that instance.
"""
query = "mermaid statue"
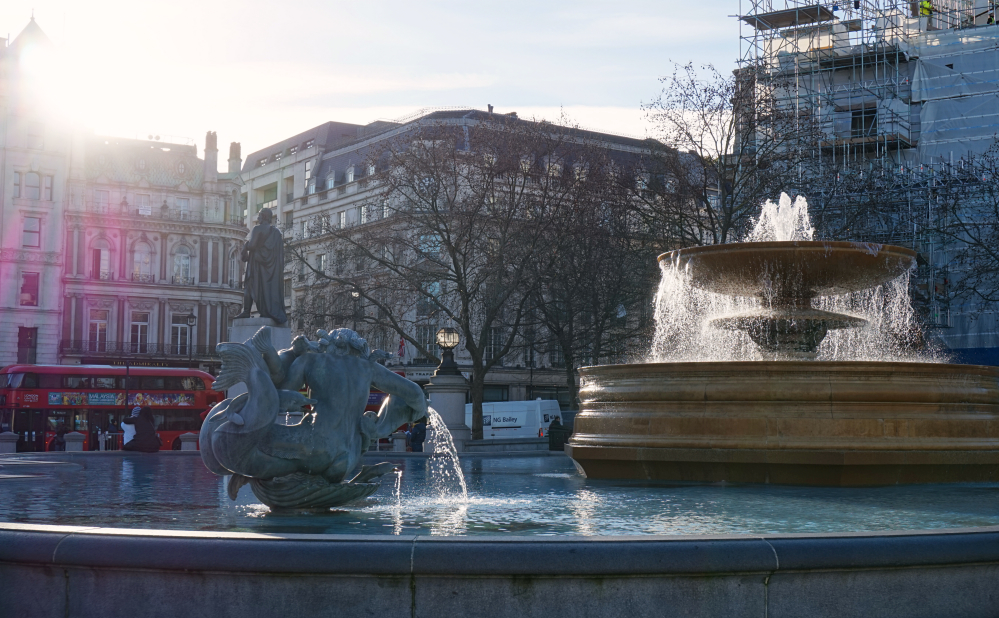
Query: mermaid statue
(304, 465)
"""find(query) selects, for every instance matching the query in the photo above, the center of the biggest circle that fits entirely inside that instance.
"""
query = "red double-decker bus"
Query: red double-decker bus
(37, 400)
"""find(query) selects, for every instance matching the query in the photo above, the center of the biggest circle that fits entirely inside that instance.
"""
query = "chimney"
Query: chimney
(490, 109)
(235, 161)
(211, 157)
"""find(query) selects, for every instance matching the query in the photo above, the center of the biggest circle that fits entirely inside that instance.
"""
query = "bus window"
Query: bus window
(105, 382)
(131, 383)
(189, 383)
(152, 383)
(177, 420)
(74, 382)
(49, 380)
(4, 379)
(56, 418)
(23, 380)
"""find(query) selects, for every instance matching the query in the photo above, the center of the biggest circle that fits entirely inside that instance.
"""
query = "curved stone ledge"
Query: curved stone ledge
(61, 570)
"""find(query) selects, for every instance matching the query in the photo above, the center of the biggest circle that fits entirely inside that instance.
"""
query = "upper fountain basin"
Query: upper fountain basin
(791, 270)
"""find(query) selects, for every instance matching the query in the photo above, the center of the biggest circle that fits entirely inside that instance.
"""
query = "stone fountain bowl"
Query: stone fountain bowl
(800, 423)
(796, 269)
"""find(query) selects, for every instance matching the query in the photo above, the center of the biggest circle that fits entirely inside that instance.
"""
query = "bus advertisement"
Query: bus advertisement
(37, 402)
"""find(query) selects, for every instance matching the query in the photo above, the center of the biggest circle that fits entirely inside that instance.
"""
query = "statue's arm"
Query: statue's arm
(406, 402)
(294, 377)
(252, 244)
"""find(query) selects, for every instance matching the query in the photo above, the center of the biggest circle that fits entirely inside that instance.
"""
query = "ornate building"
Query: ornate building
(111, 250)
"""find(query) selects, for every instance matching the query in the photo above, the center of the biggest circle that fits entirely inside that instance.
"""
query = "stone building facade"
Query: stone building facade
(112, 250)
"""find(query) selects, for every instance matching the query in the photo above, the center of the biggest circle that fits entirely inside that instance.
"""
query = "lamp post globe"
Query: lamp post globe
(447, 339)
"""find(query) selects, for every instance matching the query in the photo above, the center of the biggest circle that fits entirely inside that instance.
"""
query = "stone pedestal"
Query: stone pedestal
(188, 441)
(244, 328)
(74, 442)
(447, 396)
(399, 442)
(8, 442)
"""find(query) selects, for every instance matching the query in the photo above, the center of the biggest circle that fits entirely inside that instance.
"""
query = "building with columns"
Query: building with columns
(112, 250)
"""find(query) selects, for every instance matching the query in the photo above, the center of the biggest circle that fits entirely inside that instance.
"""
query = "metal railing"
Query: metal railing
(140, 278)
(102, 275)
(182, 280)
(118, 348)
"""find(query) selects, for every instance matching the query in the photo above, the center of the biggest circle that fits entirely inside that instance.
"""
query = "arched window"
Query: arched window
(142, 263)
(234, 269)
(182, 266)
(101, 267)
(32, 186)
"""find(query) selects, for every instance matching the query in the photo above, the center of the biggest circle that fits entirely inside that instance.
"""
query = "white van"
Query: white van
(515, 419)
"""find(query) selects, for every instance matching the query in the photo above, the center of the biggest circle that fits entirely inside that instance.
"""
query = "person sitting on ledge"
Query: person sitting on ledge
(145, 440)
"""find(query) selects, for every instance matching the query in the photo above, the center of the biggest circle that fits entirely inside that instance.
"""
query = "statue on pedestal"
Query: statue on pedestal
(305, 465)
(264, 280)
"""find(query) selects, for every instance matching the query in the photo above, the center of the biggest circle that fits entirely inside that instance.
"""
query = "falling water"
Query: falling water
(684, 312)
(445, 469)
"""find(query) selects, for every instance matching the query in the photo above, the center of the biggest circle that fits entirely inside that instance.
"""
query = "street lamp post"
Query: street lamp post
(191, 321)
(447, 339)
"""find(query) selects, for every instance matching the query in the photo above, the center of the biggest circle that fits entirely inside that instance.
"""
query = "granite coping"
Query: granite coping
(490, 556)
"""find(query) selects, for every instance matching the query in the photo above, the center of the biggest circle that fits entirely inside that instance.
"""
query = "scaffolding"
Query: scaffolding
(851, 72)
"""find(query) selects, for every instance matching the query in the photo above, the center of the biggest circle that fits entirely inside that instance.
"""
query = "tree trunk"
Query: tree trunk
(476, 390)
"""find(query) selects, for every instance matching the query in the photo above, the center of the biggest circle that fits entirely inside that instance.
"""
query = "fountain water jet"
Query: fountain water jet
(749, 387)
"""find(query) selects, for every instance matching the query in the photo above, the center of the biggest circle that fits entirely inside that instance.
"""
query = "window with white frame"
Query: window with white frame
(142, 262)
(184, 208)
(97, 331)
(331, 181)
(32, 186)
(180, 334)
(494, 343)
(31, 234)
(47, 188)
(102, 201)
(350, 174)
(139, 332)
(182, 265)
(341, 219)
(17, 184)
(101, 260)
(142, 203)
(234, 269)
(28, 296)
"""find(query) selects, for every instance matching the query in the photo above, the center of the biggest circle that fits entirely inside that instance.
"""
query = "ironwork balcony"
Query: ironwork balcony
(118, 348)
(168, 214)
(182, 280)
(102, 275)
(140, 278)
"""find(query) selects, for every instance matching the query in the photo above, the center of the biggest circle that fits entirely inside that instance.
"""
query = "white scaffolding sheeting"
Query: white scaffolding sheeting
(962, 125)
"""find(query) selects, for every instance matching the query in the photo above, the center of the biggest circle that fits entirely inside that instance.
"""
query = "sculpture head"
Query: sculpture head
(300, 345)
(266, 215)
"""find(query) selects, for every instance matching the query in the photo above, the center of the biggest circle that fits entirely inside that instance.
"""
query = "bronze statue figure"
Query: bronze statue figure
(264, 280)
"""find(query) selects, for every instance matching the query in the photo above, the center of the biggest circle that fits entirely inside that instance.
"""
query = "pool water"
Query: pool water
(527, 495)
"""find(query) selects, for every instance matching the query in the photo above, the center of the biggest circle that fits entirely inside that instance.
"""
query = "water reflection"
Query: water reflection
(519, 495)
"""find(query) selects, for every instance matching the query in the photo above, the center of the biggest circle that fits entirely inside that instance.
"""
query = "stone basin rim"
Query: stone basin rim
(787, 245)
(790, 366)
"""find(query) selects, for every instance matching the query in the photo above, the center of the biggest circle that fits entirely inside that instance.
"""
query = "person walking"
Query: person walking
(418, 436)
(145, 440)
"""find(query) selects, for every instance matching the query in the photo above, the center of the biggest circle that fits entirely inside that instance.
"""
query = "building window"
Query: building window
(426, 338)
(184, 208)
(182, 266)
(142, 263)
(180, 334)
(350, 174)
(27, 345)
(494, 344)
(139, 332)
(364, 213)
(864, 122)
(371, 170)
(555, 356)
(141, 164)
(287, 288)
(29, 290)
(262, 162)
(293, 150)
(97, 334)
(31, 236)
(32, 186)
(426, 304)
(47, 188)
(102, 201)
(309, 144)
(289, 220)
(331, 181)
(17, 184)
(142, 203)
(181, 168)
(321, 263)
(234, 270)
(101, 268)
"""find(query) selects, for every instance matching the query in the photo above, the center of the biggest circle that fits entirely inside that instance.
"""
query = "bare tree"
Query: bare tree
(450, 237)
(724, 145)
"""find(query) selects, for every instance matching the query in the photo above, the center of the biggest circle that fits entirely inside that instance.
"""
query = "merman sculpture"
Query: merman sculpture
(305, 465)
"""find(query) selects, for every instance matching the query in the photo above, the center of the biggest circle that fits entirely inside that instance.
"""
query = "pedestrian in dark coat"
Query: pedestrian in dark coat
(145, 440)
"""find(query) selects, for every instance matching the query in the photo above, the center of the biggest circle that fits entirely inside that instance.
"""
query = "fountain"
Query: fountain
(756, 380)
(779, 360)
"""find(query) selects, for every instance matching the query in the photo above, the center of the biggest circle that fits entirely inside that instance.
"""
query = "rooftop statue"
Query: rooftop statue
(304, 465)
(264, 281)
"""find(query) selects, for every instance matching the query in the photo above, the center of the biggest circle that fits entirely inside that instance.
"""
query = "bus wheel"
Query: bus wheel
(176, 444)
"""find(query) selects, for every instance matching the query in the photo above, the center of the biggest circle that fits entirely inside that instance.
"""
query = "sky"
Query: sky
(257, 72)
